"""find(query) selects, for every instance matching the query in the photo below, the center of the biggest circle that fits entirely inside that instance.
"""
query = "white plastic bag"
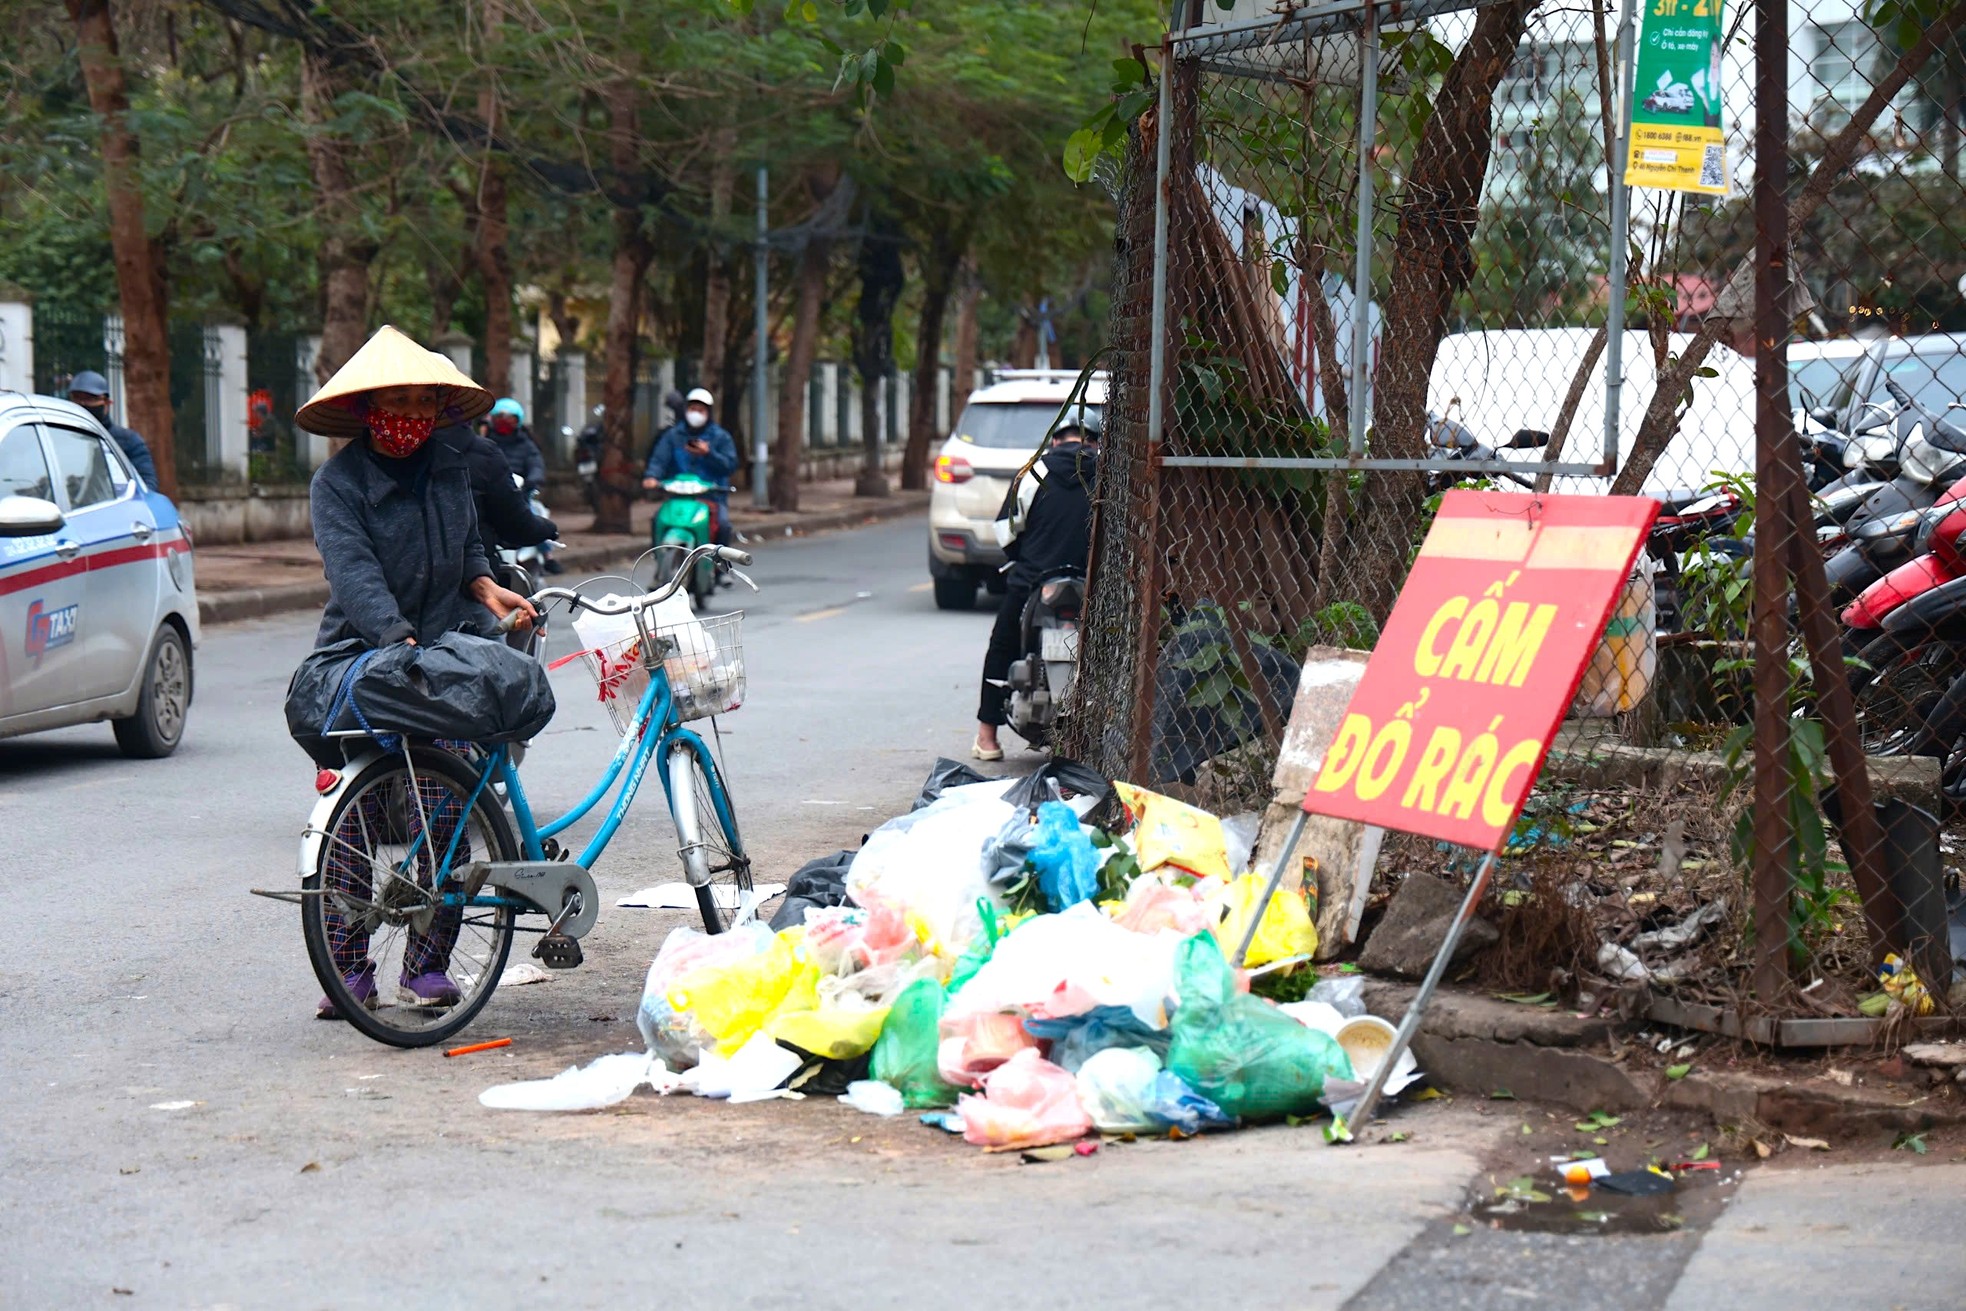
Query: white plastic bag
(1068, 963)
(751, 1074)
(1116, 1087)
(928, 864)
(605, 1081)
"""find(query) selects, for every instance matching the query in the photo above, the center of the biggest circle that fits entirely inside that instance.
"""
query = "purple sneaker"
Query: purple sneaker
(361, 983)
(432, 989)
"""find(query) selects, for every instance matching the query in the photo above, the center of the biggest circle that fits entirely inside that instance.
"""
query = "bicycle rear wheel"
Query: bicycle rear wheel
(379, 938)
(712, 853)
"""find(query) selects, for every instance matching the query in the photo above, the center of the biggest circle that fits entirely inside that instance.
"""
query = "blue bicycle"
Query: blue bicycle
(419, 863)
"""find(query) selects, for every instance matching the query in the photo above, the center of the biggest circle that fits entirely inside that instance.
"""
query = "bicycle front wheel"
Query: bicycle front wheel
(398, 960)
(713, 855)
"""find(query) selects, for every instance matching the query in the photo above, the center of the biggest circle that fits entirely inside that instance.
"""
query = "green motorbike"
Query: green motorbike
(685, 520)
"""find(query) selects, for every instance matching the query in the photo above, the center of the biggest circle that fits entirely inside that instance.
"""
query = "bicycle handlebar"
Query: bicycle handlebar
(546, 595)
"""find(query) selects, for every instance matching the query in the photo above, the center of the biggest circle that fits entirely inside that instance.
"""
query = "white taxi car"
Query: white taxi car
(1001, 427)
(98, 606)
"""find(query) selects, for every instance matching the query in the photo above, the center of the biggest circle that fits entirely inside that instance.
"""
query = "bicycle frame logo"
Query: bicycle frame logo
(48, 629)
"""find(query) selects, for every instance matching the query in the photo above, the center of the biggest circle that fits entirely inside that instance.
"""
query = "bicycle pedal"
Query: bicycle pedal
(556, 951)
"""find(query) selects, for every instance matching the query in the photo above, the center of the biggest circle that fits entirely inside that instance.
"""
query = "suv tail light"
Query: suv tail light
(952, 469)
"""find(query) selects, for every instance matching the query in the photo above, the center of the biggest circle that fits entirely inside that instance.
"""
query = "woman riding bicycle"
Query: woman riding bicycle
(396, 527)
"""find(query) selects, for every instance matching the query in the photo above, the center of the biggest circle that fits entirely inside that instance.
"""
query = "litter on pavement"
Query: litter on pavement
(1021, 973)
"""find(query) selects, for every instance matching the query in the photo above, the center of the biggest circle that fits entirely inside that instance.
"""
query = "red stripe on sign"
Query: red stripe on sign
(82, 564)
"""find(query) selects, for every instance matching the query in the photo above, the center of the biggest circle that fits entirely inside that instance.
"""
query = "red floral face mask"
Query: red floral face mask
(398, 435)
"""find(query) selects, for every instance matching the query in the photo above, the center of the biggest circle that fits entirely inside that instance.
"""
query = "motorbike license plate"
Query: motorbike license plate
(1059, 643)
(586, 468)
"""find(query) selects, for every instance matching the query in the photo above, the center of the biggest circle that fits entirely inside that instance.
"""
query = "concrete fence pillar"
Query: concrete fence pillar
(573, 388)
(228, 422)
(904, 395)
(521, 381)
(312, 449)
(112, 362)
(945, 419)
(16, 345)
(827, 416)
(456, 346)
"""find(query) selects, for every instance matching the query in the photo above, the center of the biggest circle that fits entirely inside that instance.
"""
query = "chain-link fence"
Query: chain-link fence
(1322, 348)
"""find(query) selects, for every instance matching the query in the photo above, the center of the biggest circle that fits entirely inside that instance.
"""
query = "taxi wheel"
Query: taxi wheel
(154, 730)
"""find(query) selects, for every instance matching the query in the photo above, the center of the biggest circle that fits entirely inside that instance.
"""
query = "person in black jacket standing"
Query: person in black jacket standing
(90, 390)
(505, 516)
(1057, 532)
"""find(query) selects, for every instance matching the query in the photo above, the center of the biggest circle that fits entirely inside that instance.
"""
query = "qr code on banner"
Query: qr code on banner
(1713, 167)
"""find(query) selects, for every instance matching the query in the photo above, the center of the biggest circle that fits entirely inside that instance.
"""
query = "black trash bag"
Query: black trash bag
(1059, 780)
(819, 883)
(821, 1077)
(946, 774)
(458, 686)
(1189, 731)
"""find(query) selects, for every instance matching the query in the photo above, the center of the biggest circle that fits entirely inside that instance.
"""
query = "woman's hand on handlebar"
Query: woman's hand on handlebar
(513, 611)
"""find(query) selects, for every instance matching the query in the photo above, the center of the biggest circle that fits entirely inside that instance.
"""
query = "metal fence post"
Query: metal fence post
(1614, 310)
(1774, 840)
(760, 380)
(1368, 120)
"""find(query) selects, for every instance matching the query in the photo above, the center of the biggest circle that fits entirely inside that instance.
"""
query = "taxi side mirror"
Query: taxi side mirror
(29, 516)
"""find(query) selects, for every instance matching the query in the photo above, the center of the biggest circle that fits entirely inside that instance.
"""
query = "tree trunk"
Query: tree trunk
(619, 478)
(493, 256)
(716, 283)
(139, 261)
(345, 253)
(1430, 266)
(804, 347)
(968, 292)
(1024, 345)
(881, 281)
(1839, 154)
(445, 284)
(938, 271)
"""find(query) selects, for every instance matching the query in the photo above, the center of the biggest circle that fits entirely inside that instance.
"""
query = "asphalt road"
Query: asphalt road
(180, 1132)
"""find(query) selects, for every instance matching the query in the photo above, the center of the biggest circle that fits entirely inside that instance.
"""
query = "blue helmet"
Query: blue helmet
(88, 383)
(506, 405)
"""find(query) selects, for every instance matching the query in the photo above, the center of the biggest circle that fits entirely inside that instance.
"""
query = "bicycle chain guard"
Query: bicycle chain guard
(543, 885)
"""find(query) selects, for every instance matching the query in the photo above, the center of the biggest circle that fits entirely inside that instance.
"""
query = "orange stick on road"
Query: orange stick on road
(479, 1047)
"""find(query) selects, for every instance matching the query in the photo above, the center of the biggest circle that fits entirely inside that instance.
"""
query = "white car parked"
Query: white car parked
(98, 604)
(1000, 429)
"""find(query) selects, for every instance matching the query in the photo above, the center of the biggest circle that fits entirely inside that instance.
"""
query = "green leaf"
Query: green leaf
(1701, 1152)
(1462, 1231)
(1501, 1095)
(876, 7)
(1678, 1071)
(883, 80)
(1081, 149)
(1911, 1142)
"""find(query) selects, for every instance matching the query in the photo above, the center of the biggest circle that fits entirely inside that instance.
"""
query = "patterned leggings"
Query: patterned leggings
(393, 819)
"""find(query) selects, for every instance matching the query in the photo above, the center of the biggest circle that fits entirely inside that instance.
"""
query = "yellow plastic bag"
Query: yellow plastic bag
(732, 1002)
(838, 1033)
(1286, 929)
(1170, 832)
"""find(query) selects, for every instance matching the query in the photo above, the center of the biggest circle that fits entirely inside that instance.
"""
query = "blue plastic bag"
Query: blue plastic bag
(1074, 1038)
(1175, 1105)
(1066, 861)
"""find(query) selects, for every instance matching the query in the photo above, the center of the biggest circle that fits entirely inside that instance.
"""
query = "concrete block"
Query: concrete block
(1342, 853)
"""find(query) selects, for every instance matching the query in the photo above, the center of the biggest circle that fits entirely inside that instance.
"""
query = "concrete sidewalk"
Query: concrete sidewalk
(252, 579)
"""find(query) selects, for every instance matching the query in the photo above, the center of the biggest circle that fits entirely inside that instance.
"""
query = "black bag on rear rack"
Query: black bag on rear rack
(456, 686)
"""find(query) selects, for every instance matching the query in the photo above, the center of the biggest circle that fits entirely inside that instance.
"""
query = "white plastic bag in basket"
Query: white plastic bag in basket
(700, 677)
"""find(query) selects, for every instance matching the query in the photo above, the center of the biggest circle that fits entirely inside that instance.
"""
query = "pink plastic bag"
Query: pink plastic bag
(1152, 905)
(1027, 1102)
(974, 1045)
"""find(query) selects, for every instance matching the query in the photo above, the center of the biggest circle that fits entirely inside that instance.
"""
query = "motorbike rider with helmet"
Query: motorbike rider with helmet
(1057, 532)
(696, 446)
(90, 390)
(506, 429)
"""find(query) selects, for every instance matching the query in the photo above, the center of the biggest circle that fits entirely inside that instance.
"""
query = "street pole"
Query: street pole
(760, 358)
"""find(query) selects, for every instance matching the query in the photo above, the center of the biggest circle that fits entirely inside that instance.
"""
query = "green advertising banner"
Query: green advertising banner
(1676, 141)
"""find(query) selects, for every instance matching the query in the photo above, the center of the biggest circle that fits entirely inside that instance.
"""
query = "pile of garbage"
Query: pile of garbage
(1022, 975)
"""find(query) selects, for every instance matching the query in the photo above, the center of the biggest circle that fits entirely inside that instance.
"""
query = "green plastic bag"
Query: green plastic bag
(979, 951)
(904, 1054)
(1239, 1051)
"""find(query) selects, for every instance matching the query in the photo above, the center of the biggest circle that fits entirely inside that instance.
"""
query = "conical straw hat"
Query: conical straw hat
(390, 359)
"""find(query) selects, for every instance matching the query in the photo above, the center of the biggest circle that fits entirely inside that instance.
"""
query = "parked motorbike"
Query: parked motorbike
(686, 519)
(1041, 679)
(1458, 442)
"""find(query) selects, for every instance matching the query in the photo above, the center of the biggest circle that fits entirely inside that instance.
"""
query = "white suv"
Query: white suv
(1002, 427)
